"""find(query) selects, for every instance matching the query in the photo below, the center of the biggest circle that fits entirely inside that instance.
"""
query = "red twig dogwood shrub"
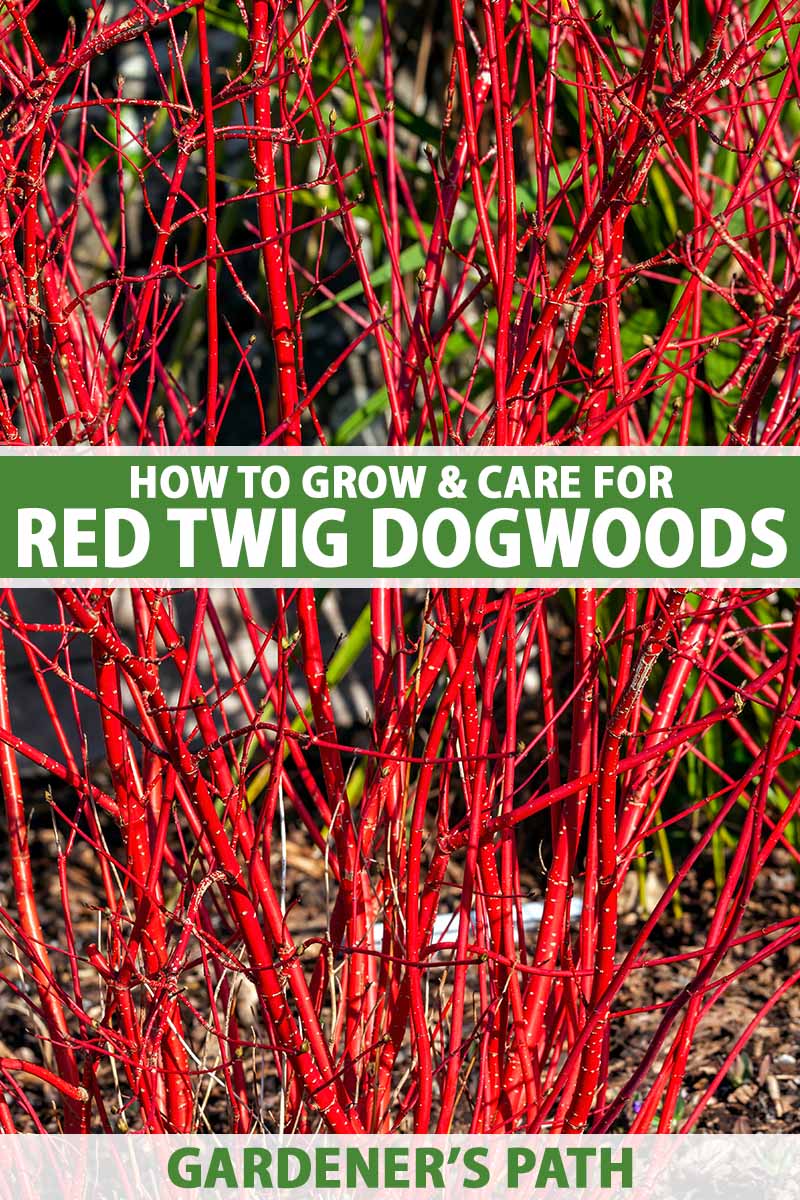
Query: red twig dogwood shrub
(412, 994)
(499, 223)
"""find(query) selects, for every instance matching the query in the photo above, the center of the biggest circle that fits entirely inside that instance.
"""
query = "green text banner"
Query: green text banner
(410, 517)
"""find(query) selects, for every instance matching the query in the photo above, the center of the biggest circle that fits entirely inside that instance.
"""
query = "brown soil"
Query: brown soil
(761, 1093)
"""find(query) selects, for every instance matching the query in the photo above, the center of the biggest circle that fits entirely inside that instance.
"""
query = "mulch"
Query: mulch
(760, 1094)
(761, 1091)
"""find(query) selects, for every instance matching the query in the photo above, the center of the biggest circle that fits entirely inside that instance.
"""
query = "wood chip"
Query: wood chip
(774, 1093)
(745, 1093)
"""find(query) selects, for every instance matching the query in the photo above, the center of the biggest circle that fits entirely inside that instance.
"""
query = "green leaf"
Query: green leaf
(411, 259)
(361, 419)
(722, 361)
